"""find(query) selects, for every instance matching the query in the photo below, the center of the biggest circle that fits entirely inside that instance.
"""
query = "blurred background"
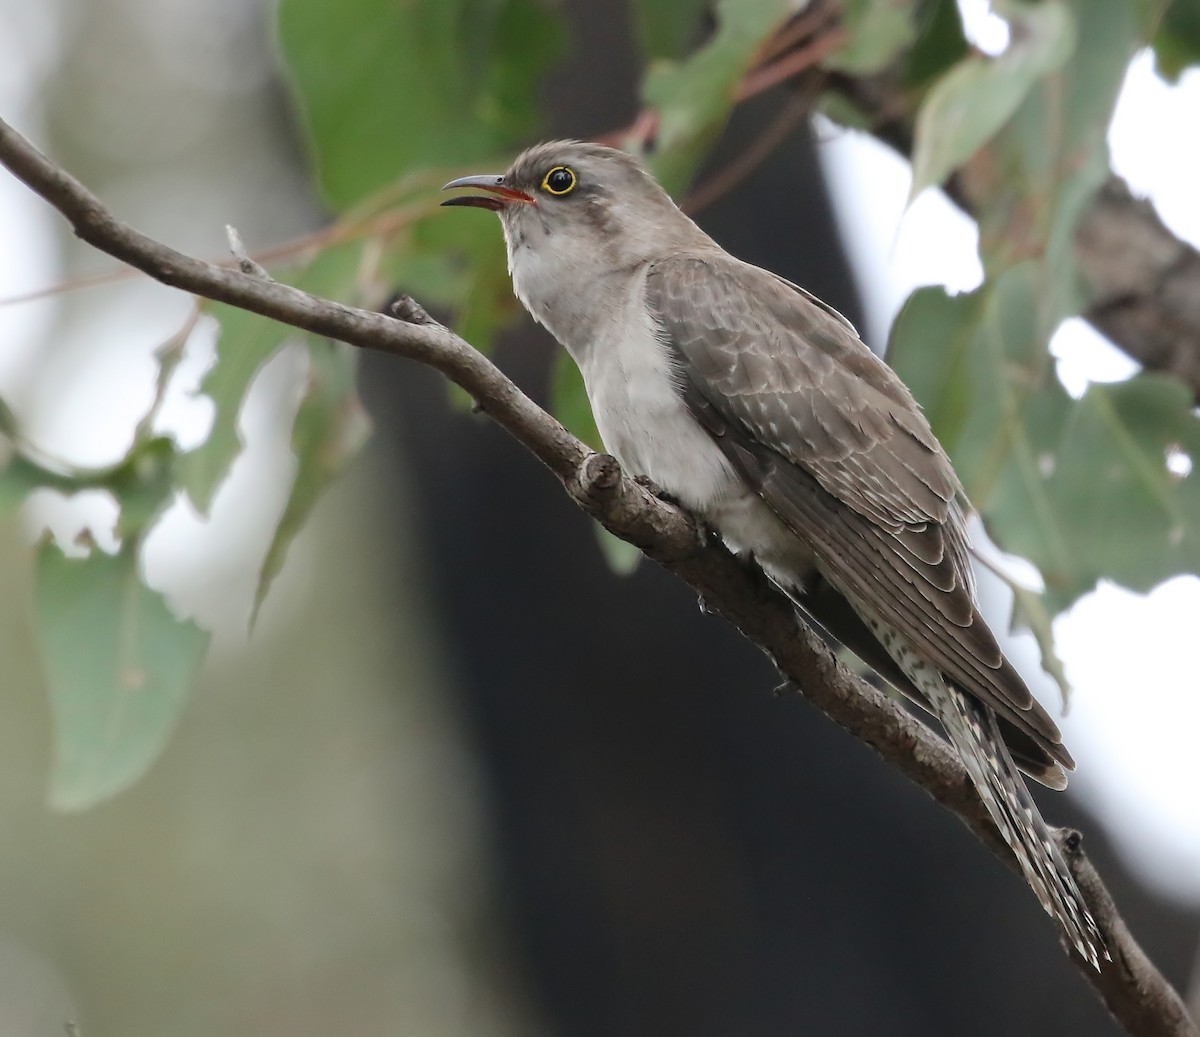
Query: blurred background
(464, 779)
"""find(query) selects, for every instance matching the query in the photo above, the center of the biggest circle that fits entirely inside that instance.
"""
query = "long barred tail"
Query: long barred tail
(975, 735)
(973, 730)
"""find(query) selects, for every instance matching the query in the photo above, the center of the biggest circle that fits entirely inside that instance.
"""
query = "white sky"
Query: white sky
(1135, 711)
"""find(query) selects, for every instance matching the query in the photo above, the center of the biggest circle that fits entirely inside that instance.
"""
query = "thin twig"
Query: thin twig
(775, 133)
(340, 232)
(1132, 988)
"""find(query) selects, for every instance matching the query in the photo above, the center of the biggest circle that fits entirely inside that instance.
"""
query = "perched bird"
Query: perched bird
(757, 406)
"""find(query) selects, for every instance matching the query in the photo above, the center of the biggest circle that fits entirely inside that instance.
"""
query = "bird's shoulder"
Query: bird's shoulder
(730, 305)
(793, 374)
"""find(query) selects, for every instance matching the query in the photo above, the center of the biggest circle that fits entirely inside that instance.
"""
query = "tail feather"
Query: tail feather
(973, 730)
(975, 733)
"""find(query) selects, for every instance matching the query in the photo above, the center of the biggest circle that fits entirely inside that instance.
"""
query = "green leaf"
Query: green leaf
(142, 485)
(668, 28)
(1030, 613)
(940, 42)
(1045, 166)
(571, 407)
(622, 557)
(1081, 488)
(877, 31)
(569, 401)
(968, 105)
(694, 96)
(980, 364)
(245, 341)
(388, 87)
(1177, 43)
(119, 666)
(1132, 519)
(331, 428)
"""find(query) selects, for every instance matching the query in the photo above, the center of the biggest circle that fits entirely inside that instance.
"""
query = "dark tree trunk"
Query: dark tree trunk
(682, 852)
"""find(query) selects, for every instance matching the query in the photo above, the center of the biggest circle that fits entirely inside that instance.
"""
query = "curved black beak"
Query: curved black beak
(501, 193)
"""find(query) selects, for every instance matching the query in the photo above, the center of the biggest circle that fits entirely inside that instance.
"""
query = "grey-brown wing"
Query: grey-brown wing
(833, 442)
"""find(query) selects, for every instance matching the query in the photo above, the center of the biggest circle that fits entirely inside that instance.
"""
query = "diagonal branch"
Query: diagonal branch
(1132, 988)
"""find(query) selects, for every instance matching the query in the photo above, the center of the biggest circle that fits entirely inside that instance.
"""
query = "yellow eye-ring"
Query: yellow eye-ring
(560, 180)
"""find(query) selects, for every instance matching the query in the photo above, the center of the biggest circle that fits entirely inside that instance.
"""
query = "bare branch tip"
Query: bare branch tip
(248, 265)
(406, 308)
(599, 476)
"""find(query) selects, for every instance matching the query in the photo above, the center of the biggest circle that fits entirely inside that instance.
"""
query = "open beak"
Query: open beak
(501, 194)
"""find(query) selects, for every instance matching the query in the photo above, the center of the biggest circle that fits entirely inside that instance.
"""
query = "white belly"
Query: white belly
(647, 427)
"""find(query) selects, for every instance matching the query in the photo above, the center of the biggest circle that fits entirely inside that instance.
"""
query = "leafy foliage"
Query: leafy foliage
(387, 88)
(396, 98)
(1177, 42)
(977, 96)
(466, 72)
(979, 363)
(119, 665)
(693, 97)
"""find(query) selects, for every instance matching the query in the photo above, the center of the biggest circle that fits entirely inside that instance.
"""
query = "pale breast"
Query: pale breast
(641, 415)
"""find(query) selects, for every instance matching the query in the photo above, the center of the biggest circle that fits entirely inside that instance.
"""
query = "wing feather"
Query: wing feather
(834, 443)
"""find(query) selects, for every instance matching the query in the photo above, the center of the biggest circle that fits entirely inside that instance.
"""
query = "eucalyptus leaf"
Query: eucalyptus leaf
(1177, 42)
(968, 105)
(119, 665)
(940, 42)
(622, 557)
(1081, 488)
(386, 88)
(1029, 612)
(1085, 489)
(570, 401)
(668, 28)
(877, 31)
(245, 342)
(693, 97)
(330, 429)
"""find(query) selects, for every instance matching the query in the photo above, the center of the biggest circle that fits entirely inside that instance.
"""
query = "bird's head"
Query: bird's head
(581, 199)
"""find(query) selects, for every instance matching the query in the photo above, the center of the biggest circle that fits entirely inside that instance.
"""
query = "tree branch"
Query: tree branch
(1135, 992)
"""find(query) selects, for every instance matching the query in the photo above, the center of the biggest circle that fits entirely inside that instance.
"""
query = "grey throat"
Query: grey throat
(758, 407)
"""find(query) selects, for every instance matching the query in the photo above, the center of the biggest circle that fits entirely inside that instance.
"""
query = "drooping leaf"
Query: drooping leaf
(1051, 157)
(571, 406)
(1084, 489)
(570, 402)
(465, 76)
(386, 88)
(142, 485)
(968, 105)
(622, 557)
(877, 31)
(668, 28)
(1134, 519)
(245, 341)
(980, 364)
(330, 429)
(694, 96)
(1177, 43)
(119, 665)
(1029, 612)
(939, 43)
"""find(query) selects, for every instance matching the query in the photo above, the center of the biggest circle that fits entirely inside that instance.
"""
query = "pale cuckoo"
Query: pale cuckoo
(756, 406)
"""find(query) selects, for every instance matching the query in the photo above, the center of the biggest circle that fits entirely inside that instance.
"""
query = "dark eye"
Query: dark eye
(560, 180)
